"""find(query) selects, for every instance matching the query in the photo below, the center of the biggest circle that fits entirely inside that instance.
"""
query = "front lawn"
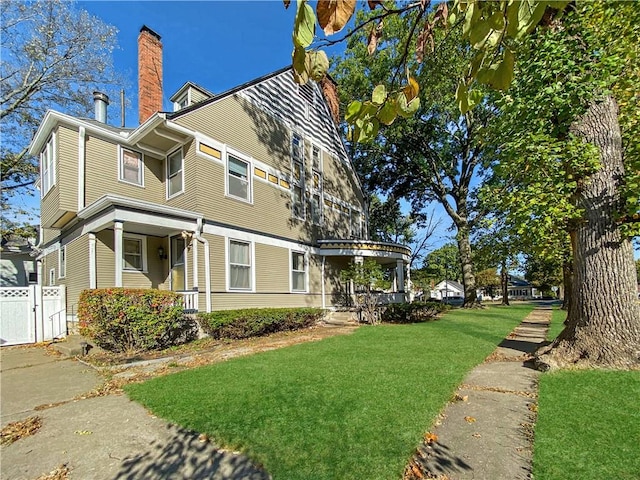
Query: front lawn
(588, 426)
(348, 407)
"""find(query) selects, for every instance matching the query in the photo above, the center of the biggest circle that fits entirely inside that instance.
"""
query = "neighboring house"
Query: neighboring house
(520, 289)
(242, 199)
(447, 288)
(17, 262)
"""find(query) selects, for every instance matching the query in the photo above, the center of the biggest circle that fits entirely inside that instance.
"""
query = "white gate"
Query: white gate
(32, 314)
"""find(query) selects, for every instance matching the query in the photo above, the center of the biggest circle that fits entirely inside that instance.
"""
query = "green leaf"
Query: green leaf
(478, 33)
(496, 21)
(304, 29)
(300, 74)
(404, 108)
(462, 97)
(471, 16)
(388, 113)
(474, 97)
(317, 64)
(530, 12)
(379, 94)
(353, 110)
(504, 72)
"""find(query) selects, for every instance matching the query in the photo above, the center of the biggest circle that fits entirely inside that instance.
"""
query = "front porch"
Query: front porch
(392, 257)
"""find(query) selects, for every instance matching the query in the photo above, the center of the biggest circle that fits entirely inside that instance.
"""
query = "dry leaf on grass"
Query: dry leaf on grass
(61, 472)
(17, 430)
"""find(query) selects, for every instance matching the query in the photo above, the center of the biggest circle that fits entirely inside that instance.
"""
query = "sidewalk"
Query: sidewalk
(485, 433)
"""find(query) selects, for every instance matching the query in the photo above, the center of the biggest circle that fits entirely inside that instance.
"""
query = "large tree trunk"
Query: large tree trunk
(567, 281)
(603, 323)
(466, 262)
(504, 280)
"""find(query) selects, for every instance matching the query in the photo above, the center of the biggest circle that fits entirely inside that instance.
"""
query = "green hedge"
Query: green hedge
(253, 322)
(412, 312)
(125, 319)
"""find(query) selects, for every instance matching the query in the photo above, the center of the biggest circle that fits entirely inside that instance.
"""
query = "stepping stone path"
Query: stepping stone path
(486, 431)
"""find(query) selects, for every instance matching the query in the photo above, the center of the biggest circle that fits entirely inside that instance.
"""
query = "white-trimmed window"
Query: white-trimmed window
(238, 178)
(62, 262)
(131, 167)
(48, 166)
(297, 167)
(52, 277)
(240, 275)
(182, 102)
(315, 200)
(356, 224)
(134, 253)
(175, 173)
(298, 272)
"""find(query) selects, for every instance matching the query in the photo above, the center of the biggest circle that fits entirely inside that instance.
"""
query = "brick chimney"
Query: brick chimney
(149, 73)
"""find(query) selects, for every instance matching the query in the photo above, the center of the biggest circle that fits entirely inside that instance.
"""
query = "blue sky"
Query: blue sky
(215, 44)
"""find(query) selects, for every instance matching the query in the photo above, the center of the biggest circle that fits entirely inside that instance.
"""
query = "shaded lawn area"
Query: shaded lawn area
(588, 426)
(348, 407)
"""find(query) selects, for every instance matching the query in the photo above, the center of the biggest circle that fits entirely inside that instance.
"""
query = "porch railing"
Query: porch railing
(190, 300)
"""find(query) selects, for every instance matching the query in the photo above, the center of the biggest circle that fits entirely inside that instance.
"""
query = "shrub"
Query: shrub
(125, 319)
(253, 322)
(412, 312)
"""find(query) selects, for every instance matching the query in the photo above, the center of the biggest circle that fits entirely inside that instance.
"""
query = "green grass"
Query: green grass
(557, 323)
(348, 407)
(588, 426)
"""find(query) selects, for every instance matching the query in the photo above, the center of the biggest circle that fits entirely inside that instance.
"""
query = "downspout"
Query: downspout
(207, 261)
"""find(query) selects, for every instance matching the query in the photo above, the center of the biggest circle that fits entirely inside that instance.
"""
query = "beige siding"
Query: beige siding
(334, 287)
(67, 173)
(50, 204)
(105, 265)
(77, 275)
(340, 181)
(272, 269)
(101, 167)
(50, 261)
(245, 127)
(49, 234)
(197, 96)
(228, 301)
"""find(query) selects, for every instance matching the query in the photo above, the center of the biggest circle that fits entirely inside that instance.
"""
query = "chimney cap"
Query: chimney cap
(101, 96)
(144, 28)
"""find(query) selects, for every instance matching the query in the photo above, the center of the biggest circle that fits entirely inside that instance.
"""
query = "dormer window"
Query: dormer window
(182, 102)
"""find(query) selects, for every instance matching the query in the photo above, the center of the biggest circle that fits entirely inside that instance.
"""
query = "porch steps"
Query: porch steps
(72, 346)
(341, 318)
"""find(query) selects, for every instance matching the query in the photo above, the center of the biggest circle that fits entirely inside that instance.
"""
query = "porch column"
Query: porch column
(194, 247)
(324, 304)
(92, 261)
(400, 275)
(117, 249)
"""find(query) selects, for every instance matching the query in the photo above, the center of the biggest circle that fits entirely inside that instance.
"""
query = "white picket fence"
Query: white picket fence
(32, 314)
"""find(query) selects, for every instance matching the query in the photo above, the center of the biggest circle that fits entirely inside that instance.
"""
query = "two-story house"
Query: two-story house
(245, 198)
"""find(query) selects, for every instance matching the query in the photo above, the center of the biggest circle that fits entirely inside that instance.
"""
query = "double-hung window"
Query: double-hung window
(134, 253)
(175, 173)
(238, 179)
(297, 166)
(315, 202)
(239, 265)
(131, 167)
(48, 166)
(298, 272)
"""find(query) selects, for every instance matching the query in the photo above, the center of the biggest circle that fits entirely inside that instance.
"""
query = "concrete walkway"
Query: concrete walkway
(486, 432)
(107, 437)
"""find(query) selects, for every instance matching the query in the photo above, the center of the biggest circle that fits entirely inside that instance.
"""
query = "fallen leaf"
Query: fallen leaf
(469, 419)
(83, 432)
(477, 435)
(430, 438)
(460, 398)
(17, 430)
(203, 438)
(533, 407)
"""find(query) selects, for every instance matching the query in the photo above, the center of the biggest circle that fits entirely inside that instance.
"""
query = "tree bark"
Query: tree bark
(466, 262)
(567, 280)
(603, 323)
(504, 280)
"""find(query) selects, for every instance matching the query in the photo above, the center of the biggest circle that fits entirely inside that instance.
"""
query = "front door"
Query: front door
(178, 264)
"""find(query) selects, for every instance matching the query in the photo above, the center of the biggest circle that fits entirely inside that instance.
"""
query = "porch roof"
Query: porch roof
(365, 248)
